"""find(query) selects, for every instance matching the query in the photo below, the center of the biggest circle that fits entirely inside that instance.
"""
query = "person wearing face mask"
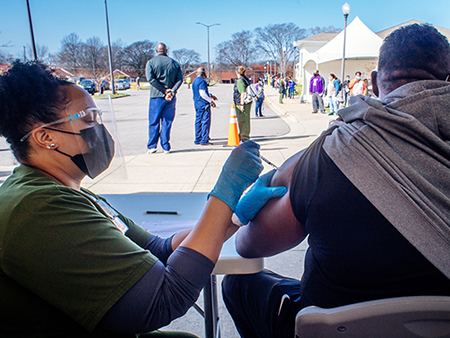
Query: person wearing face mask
(71, 265)
(259, 98)
(333, 88)
(357, 85)
(316, 88)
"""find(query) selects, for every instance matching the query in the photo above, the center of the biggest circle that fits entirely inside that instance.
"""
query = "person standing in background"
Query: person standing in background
(165, 77)
(292, 85)
(316, 86)
(242, 108)
(345, 85)
(188, 82)
(333, 88)
(138, 83)
(203, 101)
(281, 89)
(259, 98)
(357, 85)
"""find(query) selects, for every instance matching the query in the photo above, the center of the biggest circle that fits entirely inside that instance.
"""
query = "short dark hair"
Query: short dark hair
(358, 72)
(414, 52)
(29, 94)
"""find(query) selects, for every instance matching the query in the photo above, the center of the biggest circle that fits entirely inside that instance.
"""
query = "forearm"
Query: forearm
(205, 96)
(242, 98)
(158, 85)
(161, 295)
(179, 81)
(177, 86)
(160, 247)
(212, 229)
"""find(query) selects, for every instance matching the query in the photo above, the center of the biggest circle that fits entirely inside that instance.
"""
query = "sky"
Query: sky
(174, 22)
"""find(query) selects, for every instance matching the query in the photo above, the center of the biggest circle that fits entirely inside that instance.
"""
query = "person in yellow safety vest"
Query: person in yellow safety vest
(188, 81)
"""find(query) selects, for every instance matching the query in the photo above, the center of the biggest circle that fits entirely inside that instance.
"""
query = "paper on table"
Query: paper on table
(166, 229)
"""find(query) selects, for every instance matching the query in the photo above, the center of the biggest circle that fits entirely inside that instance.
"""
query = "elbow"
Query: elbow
(244, 248)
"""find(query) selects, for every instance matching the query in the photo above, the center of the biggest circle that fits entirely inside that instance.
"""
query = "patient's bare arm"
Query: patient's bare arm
(275, 228)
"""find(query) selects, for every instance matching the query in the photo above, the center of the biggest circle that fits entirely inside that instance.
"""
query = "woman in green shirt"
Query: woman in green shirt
(242, 108)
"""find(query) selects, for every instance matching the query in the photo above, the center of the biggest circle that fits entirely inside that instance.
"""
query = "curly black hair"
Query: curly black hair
(29, 94)
(414, 52)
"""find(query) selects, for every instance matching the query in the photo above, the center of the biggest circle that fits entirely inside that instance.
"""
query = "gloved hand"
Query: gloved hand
(240, 170)
(258, 195)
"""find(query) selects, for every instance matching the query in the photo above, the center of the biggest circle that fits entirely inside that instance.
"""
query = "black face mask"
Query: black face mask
(101, 150)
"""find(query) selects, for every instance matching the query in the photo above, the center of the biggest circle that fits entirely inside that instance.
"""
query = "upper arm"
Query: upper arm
(240, 85)
(275, 228)
(148, 71)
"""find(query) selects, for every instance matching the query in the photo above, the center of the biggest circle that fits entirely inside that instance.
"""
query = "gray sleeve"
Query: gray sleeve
(179, 79)
(161, 295)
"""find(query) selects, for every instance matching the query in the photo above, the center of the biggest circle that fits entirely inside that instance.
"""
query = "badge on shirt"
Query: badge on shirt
(113, 215)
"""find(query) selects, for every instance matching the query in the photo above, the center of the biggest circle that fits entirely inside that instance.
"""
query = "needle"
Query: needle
(268, 162)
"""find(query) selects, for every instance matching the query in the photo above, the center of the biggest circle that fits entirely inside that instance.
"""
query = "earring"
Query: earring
(51, 146)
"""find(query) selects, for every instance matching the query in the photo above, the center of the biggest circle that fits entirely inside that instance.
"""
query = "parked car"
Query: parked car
(121, 84)
(89, 86)
(105, 85)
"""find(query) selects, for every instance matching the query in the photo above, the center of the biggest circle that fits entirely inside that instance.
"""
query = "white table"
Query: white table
(188, 207)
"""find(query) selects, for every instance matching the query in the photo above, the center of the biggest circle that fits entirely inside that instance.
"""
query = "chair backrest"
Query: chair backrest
(403, 317)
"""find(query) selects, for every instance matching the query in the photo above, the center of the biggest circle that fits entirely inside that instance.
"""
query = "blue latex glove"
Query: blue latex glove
(240, 170)
(258, 195)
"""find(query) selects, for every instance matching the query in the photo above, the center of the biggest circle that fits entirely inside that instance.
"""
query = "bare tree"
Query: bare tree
(137, 54)
(5, 44)
(70, 54)
(186, 58)
(116, 53)
(240, 50)
(276, 41)
(5, 57)
(329, 29)
(94, 57)
(42, 53)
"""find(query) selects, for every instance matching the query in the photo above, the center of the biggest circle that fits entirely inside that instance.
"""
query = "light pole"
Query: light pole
(207, 30)
(293, 63)
(109, 53)
(33, 43)
(345, 11)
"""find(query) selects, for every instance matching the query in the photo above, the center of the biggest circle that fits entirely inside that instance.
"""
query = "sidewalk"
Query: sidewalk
(198, 171)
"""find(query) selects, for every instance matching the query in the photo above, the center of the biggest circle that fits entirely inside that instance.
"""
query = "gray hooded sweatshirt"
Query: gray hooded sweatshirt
(397, 153)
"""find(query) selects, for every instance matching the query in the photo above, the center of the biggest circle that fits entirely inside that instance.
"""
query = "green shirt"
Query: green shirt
(63, 262)
(241, 85)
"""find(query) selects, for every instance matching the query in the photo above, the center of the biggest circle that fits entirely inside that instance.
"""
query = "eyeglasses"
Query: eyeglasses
(90, 115)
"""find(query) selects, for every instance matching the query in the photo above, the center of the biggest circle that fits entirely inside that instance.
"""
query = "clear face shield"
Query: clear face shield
(95, 146)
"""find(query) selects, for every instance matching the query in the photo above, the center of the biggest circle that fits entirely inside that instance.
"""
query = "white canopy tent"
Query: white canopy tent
(361, 43)
(361, 54)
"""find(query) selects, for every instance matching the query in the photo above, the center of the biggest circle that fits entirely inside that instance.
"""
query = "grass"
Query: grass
(105, 96)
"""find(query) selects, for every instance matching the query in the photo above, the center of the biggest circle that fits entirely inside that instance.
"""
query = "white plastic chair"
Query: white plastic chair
(403, 317)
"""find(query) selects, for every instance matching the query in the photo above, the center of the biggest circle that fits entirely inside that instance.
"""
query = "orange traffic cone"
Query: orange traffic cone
(233, 134)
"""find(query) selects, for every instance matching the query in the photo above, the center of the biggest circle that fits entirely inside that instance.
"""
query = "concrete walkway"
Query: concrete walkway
(197, 171)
